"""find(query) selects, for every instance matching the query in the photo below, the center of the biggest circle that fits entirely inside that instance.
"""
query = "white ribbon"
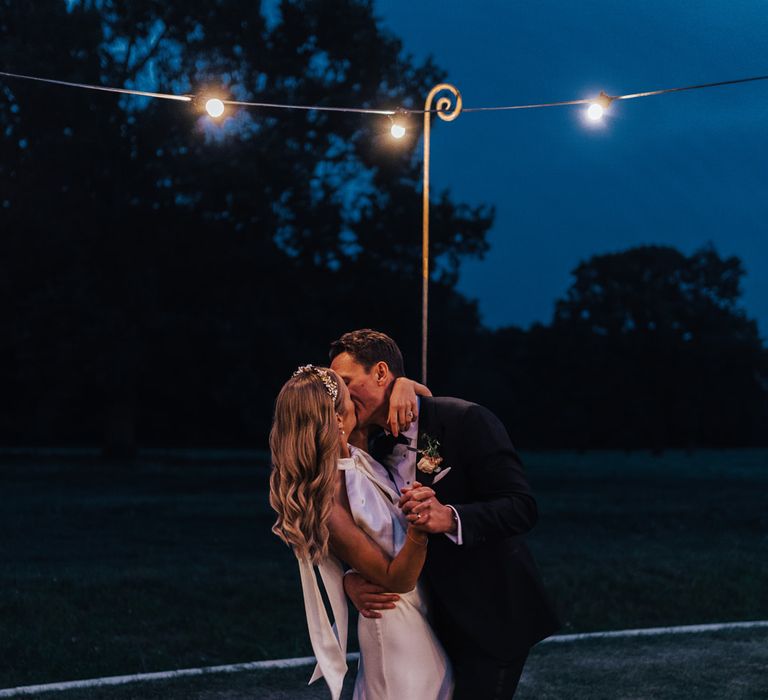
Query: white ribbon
(328, 642)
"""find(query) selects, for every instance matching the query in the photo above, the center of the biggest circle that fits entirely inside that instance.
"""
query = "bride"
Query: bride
(335, 504)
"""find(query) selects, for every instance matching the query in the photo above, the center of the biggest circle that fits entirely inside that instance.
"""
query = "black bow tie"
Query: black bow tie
(382, 445)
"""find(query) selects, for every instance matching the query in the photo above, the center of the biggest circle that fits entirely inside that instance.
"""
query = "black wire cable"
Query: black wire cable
(384, 112)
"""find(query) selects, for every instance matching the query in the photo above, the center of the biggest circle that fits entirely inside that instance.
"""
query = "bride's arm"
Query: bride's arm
(403, 405)
(350, 544)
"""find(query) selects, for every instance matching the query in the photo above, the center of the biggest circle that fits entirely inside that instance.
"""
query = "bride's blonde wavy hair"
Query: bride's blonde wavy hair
(304, 441)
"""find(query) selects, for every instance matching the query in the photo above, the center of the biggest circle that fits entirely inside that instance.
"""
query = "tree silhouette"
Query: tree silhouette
(167, 273)
(659, 351)
(649, 348)
(162, 275)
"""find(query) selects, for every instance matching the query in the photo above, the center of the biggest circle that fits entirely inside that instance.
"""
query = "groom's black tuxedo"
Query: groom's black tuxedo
(486, 593)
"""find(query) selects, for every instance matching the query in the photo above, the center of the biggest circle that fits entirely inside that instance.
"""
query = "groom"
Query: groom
(488, 604)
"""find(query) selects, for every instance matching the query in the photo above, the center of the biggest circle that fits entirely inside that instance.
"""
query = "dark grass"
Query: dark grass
(112, 570)
(631, 540)
(728, 665)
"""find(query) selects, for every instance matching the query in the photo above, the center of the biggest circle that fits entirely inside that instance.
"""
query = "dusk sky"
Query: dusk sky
(680, 169)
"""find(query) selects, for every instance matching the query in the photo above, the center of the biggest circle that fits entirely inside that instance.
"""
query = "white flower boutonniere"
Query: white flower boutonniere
(430, 457)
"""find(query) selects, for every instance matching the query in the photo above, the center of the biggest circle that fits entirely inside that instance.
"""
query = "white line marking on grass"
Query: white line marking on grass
(163, 675)
(309, 660)
(653, 631)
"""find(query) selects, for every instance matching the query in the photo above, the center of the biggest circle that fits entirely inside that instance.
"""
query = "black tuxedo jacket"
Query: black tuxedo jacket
(486, 593)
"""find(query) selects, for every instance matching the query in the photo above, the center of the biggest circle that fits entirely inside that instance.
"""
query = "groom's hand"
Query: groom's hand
(425, 512)
(367, 597)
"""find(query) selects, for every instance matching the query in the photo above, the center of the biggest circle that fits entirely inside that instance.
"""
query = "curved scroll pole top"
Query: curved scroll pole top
(447, 109)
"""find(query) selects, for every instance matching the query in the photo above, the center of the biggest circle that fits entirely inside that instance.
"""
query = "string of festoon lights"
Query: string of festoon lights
(216, 107)
(596, 107)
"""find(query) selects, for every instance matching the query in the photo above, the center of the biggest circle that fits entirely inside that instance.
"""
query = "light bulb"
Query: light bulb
(398, 131)
(214, 107)
(595, 112)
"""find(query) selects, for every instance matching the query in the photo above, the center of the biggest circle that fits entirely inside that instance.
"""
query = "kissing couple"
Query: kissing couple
(414, 507)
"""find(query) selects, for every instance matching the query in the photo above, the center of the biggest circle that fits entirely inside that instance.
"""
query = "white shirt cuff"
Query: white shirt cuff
(455, 538)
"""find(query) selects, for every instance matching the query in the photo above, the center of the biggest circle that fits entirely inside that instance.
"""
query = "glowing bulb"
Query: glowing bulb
(398, 131)
(214, 107)
(595, 112)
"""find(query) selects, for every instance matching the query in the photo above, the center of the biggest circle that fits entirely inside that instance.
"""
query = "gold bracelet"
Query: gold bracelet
(413, 539)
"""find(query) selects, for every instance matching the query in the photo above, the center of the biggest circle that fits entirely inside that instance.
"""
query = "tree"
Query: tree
(659, 351)
(167, 274)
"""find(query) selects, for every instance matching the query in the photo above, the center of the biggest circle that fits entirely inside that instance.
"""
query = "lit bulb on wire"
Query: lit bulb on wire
(599, 106)
(595, 112)
(397, 131)
(397, 120)
(214, 107)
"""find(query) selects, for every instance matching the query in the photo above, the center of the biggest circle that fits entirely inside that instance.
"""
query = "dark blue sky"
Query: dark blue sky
(679, 170)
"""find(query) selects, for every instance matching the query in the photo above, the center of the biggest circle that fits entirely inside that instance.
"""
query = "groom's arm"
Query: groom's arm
(502, 503)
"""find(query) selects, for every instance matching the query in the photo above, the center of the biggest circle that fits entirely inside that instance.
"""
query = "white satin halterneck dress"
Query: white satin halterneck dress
(400, 656)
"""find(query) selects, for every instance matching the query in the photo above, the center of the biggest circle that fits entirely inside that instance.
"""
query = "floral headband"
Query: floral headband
(330, 385)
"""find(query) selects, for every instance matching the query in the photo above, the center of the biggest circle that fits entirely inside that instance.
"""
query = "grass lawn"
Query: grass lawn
(113, 570)
(713, 666)
(723, 666)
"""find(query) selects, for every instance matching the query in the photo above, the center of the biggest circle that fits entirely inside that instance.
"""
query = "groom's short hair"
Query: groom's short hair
(369, 347)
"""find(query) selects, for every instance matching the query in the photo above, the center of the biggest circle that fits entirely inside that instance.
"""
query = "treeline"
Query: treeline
(649, 349)
(161, 276)
(651, 361)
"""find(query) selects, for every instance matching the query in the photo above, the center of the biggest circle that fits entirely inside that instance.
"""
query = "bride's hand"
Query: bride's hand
(403, 404)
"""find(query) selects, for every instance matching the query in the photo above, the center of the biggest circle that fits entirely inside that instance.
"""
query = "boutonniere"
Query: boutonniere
(430, 456)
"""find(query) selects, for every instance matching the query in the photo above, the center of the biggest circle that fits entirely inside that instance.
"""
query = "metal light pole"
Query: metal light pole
(448, 113)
